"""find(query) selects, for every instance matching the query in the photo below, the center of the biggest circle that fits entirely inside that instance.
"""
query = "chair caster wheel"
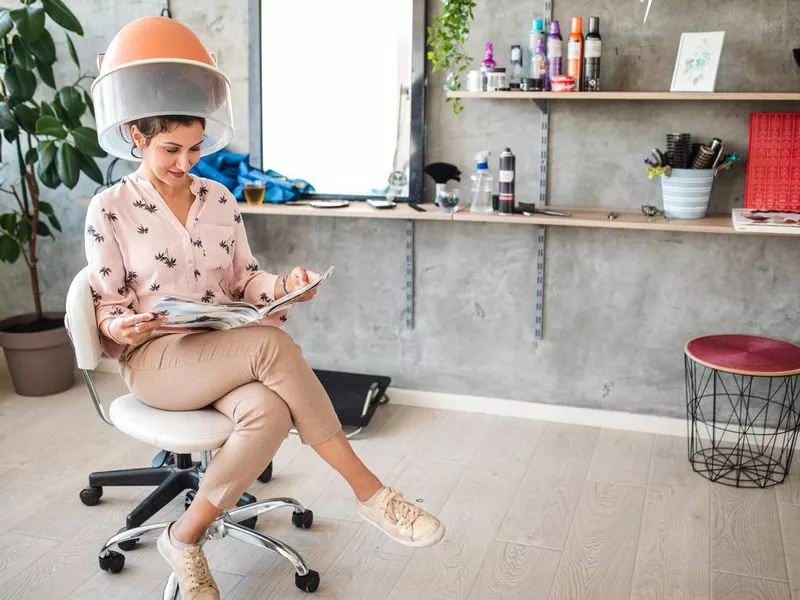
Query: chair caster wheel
(303, 520)
(91, 495)
(249, 523)
(189, 498)
(113, 562)
(128, 545)
(266, 475)
(308, 582)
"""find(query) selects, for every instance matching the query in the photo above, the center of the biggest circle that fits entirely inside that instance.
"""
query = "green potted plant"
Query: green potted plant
(50, 147)
(446, 38)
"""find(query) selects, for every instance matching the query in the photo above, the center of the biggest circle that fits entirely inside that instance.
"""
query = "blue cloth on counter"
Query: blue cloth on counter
(234, 171)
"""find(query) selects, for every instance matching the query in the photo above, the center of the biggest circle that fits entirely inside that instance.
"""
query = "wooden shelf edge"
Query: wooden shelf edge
(719, 223)
(683, 96)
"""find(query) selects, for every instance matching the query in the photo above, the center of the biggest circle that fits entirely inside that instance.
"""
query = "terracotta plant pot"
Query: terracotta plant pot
(42, 362)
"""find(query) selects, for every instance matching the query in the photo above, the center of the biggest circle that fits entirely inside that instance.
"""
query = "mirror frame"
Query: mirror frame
(417, 137)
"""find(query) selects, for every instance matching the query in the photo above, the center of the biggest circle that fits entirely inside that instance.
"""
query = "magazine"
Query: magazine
(184, 315)
(766, 221)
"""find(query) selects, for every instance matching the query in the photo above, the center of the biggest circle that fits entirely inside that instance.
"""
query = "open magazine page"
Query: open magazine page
(184, 315)
(280, 304)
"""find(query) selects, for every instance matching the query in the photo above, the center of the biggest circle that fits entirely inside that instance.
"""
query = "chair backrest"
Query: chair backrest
(81, 322)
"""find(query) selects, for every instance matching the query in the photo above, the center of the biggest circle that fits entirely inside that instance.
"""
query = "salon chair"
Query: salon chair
(177, 434)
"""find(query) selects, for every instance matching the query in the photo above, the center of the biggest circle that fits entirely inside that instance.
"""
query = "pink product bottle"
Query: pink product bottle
(488, 58)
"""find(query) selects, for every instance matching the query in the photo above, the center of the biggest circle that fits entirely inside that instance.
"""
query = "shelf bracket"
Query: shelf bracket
(540, 103)
(410, 274)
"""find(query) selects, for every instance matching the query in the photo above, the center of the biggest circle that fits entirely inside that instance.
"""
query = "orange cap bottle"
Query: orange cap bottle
(575, 52)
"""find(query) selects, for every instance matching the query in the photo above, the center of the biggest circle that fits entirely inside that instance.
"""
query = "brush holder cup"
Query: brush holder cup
(686, 193)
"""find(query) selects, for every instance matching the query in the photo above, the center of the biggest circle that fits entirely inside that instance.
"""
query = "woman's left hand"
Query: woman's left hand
(298, 278)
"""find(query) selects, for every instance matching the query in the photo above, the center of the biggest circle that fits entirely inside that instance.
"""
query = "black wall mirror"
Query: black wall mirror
(337, 94)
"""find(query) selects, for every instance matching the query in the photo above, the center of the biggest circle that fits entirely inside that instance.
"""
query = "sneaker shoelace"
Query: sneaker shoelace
(199, 573)
(400, 510)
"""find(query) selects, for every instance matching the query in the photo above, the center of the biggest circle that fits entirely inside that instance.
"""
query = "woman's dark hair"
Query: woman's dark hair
(152, 126)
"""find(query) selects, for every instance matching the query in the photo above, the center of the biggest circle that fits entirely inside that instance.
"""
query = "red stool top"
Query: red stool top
(746, 354)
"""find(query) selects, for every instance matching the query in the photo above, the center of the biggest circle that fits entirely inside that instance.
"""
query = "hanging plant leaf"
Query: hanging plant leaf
(72, 51)
(46, 73)
(72, 102)
(67, 163)
(50, 126)
(54, 223)
(22, 55)
(42, 229)
(86, 141)
(89, 102)
(89, 166)
(6, 24)
(9, 249)
(68, 120)
(29, 23)
(24, 231)
(44, 49)
(8, 222)
(7, 120)
(46, 110)
(49, 177)
(11, 134)
(58, 11)
(20, 84)
(31, 156)
(46, 208)
(26, 117)
(47, 154)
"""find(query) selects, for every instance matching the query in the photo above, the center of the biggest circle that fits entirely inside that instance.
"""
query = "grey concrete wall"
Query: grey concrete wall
(619, 306)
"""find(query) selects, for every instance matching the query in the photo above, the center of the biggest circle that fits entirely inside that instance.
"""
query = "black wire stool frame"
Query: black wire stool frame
(752, 446)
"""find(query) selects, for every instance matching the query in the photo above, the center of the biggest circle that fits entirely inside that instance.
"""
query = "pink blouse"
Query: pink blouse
(138, 251)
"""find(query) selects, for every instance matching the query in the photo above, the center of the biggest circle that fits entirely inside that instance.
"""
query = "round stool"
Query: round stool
(742, 407)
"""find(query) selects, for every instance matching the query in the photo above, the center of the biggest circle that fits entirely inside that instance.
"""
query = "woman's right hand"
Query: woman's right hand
(133, 330)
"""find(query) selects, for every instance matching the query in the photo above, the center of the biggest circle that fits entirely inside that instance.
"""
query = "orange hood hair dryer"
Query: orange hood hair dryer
(156, 66)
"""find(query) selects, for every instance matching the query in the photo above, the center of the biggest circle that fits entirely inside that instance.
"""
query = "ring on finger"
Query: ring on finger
(138, 328)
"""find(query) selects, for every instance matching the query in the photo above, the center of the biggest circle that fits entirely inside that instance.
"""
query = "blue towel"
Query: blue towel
(234, 171)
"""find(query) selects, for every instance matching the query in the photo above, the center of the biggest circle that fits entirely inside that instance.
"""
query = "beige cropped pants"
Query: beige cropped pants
(255, 375)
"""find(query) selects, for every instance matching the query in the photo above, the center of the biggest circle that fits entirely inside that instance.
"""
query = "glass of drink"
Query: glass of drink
(254, 192)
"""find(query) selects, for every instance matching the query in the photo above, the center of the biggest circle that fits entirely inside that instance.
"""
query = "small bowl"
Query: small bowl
(796, 53)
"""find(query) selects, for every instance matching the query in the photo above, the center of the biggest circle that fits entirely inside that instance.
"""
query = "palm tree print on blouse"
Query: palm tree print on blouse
(131, 278)
(252, 267)
(165, 258)
(144, 205)
(117, 311)
(237, 295)
(202, 192)
(95, 296)
(265, 298)
(143, 230)
(208, 297)
(226, 245)
(96, 237)
(105, 272)
(155, 286)
(223, 200)
(284, 318)
(196, 274)
(110, 216)
(237, 217)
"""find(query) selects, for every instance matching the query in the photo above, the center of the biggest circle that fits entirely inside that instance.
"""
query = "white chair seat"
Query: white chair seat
(183, 432)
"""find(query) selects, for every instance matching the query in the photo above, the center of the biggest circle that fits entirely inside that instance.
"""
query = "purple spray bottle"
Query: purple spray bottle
(554, 53)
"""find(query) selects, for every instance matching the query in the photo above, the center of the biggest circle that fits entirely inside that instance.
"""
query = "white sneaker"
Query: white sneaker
(191, 569)
(403, 521)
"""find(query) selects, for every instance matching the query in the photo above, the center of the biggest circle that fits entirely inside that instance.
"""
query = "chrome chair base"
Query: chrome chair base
(228, 524)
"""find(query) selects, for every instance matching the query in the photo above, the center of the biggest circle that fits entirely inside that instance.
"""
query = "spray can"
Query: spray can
(506, 177)
(554, 53)
(592, 52)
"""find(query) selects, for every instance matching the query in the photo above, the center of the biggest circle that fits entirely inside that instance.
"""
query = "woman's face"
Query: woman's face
(170, 155)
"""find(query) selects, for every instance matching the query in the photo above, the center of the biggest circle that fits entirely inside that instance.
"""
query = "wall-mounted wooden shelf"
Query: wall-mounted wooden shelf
(356, 209)
(581, 217)
(683, 96)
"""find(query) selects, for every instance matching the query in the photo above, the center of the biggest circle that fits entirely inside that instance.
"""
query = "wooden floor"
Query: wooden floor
(534, 511)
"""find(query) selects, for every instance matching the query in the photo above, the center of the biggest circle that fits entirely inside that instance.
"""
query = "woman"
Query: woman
(161, 232)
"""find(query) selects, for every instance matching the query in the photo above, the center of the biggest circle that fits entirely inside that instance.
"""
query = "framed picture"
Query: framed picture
(697, 62)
